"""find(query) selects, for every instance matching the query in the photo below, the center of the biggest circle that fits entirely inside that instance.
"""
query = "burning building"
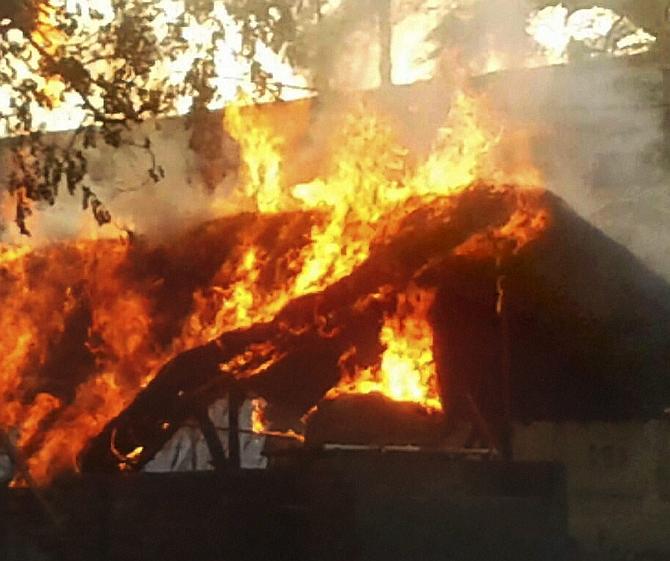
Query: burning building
(381, 323)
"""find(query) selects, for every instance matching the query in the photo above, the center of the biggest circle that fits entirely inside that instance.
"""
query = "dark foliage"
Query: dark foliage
(113, 67)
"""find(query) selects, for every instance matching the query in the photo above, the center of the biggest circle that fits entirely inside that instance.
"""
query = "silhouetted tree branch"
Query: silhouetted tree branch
(116, 66)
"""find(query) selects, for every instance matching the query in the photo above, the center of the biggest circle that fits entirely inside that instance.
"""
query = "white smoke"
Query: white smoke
(595, 123)
(594, 116)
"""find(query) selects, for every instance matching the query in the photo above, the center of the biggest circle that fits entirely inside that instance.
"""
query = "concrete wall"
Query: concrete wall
(328, 506)
(618, 478)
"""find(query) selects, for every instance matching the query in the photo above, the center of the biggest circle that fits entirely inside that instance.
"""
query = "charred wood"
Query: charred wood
(586, 331)
(293, 360)
(372, 420)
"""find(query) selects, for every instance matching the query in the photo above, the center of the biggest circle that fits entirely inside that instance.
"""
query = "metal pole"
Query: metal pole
(505, 371)
(212, 438)
(235, 400)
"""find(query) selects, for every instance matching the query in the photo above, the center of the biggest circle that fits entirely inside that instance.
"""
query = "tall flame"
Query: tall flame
(34, 319)
(407, 369)
(356, 198)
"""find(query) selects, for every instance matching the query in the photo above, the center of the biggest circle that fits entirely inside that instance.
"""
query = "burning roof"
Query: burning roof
(370, 269)
(585, 342)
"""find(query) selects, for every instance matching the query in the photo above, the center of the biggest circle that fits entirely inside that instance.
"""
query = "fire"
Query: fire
(96, 298)
(93, 302)
(38, 315)
(258, 421)
(368, 180)
(261, 156)
(407, 368)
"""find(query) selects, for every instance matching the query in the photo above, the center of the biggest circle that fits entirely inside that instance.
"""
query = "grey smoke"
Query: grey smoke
(596, 130)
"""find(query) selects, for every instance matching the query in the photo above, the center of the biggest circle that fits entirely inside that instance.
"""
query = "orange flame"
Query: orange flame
(258, 421)
(407, 369)
(367, 184)
(35, 315)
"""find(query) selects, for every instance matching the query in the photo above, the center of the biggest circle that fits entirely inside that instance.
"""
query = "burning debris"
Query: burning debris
(368, 315)
(334, 341)
(326, 272)
(439, 281)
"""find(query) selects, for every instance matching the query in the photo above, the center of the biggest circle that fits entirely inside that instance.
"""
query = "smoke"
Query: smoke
(593, 126)
(121, 180)
(340, 50)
